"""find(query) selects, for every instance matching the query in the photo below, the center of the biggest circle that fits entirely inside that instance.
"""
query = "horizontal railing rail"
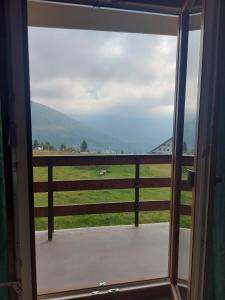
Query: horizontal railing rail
(119, 159)
(105, 184)
(135, 183)
(115, 207)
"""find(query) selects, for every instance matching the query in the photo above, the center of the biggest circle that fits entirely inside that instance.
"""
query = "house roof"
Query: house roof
(162, 144)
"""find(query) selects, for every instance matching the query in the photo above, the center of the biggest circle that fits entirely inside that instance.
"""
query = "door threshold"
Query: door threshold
(158, 288)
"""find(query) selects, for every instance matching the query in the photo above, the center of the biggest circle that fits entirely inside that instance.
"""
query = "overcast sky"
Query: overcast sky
(89, 74)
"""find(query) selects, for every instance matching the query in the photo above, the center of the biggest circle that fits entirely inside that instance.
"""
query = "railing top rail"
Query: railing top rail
(118, 159)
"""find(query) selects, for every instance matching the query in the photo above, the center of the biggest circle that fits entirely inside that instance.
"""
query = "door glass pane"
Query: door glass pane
(190, 127)
(3, 225)
(113, 84)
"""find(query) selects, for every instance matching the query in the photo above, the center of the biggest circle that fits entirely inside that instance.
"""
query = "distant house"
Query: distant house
(38, 148)
(164, 148)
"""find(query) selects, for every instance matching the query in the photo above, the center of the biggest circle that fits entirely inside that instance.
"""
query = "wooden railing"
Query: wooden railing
(135, 183)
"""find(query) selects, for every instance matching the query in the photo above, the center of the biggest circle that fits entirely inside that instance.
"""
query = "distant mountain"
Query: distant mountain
(57, 128)
(142, 132)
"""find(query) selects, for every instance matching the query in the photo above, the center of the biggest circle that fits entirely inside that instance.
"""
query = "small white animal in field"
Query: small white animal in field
(102, 172)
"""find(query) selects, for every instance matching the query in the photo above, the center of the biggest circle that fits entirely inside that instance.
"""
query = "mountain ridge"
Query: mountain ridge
(58, 128)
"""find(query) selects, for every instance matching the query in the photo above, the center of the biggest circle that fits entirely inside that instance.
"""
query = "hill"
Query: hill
(57, 128)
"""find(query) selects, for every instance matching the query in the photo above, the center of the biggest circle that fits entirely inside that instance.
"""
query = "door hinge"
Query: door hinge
(16, 285)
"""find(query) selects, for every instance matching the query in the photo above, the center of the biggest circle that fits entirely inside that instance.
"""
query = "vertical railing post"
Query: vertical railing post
(137, 192)
(50, 201)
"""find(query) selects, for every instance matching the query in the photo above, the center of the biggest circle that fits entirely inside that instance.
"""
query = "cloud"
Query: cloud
(90, 73)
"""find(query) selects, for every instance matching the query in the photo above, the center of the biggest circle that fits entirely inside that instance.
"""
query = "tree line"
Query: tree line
(63, 147)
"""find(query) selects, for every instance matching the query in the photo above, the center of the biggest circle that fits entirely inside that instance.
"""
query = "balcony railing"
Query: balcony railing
(135, 183)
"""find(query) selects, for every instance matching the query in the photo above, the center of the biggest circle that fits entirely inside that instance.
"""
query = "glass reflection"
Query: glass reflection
(190, 126)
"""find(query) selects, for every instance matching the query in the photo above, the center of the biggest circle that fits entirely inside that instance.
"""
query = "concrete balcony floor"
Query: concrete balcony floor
(82, 258)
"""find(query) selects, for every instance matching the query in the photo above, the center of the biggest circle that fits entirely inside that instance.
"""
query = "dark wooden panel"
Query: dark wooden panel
(80, 185)
(40, 187)
(187, 160)
(87, 160)
(83, 185)
(123, 159)
(155, 182)
(84, 209)
(185, 209)
(154, 205)
(50, 203)
(137, 194)
(101, 208)
(185, 186)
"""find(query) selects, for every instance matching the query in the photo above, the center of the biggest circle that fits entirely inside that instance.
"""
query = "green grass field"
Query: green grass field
(104, 196)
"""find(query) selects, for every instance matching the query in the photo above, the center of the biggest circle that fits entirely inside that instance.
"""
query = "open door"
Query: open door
(185, 151)
(16, 152)
(17, 266)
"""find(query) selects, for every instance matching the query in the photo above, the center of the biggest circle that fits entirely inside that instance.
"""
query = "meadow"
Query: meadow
(104, 196)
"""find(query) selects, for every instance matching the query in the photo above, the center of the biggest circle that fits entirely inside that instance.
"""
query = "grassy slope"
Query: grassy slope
(81, 197)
